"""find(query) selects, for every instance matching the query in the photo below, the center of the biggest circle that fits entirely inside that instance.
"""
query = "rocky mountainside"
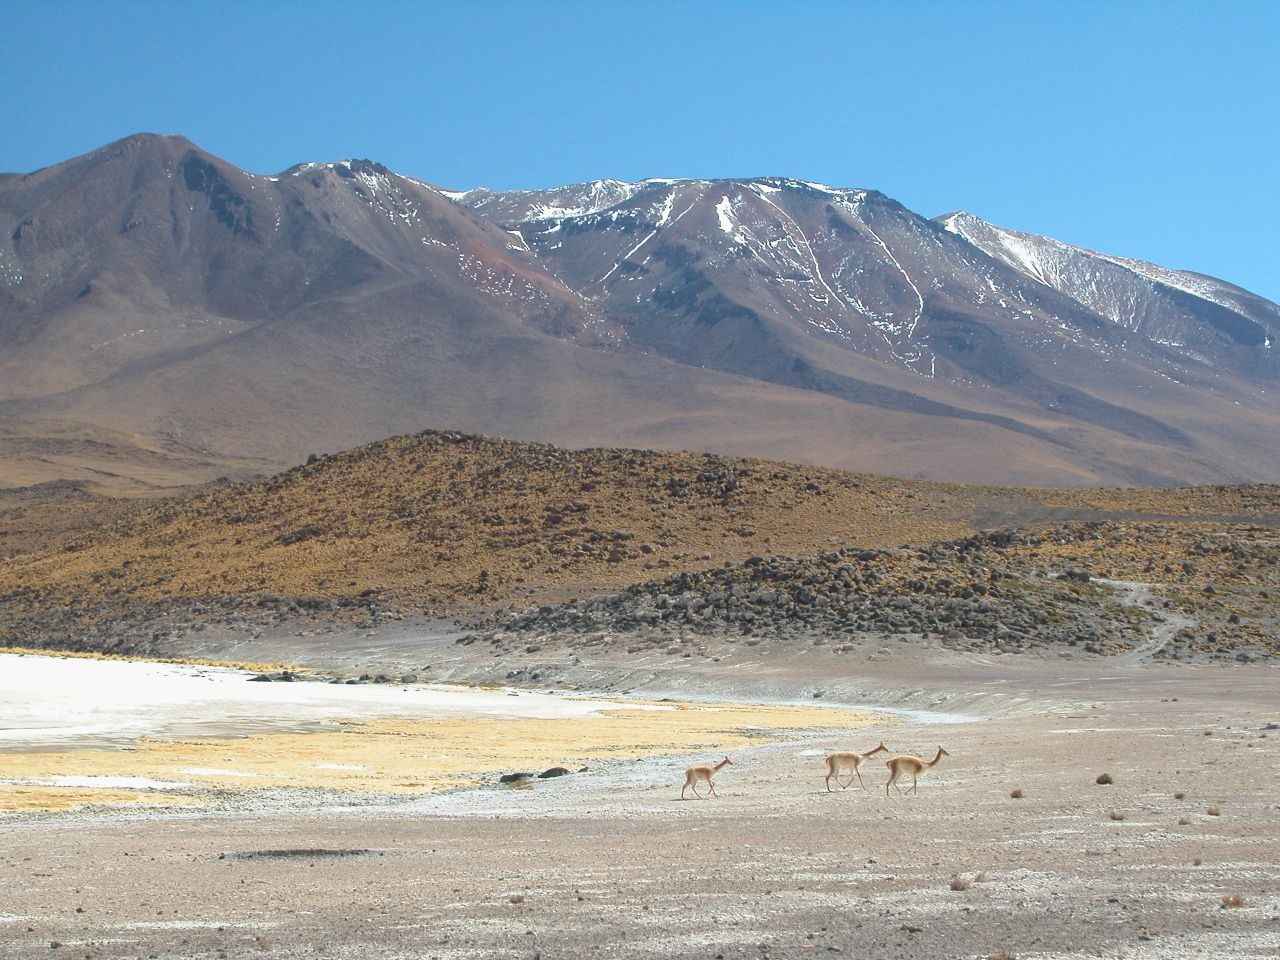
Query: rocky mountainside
(443, 520)
(867, 272)
(150, 288)
(1047, 589)
(800, 283)
(1198, 318)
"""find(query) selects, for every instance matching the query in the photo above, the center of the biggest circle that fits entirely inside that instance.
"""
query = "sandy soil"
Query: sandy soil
(77, 731)
(610, 863)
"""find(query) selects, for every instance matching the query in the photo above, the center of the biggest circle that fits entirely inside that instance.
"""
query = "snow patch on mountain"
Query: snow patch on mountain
(664, 217)
(727, 223)
(1191, 283)
(1081, 272)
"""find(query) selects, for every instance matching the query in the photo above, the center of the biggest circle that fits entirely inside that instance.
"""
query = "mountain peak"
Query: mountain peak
(147, 143)
(146, 137)
(135, 144)
(956, 219)
(345, 167)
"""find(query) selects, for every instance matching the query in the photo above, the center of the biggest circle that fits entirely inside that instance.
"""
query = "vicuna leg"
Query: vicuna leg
(860, 780)
(893, 775)
(712, 785)
(913, 784)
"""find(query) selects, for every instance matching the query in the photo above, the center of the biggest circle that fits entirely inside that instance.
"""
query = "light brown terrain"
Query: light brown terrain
(108, 461)
(1009, 849)
(424, 516)
(444, 524)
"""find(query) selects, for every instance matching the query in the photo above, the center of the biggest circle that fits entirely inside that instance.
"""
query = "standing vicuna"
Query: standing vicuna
(846, 760)
(909, 764)
(703, 772)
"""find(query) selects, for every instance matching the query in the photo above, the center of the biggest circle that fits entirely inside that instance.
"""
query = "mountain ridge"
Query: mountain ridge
(149, 287)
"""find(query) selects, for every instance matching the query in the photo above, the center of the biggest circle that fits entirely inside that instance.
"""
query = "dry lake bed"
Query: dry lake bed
(176, 810)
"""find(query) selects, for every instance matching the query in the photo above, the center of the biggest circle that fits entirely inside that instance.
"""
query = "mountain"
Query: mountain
(1197, 317)
(150, 249)
(151, 289)
(801, 284)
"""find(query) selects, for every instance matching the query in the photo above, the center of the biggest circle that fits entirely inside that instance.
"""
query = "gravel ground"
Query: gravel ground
(611, 863)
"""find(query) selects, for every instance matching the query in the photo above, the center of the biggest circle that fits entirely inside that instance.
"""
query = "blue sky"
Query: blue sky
(1143, 129)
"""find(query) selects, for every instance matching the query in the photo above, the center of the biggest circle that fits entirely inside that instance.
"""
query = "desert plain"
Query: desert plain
(389, 856)
(274, 718)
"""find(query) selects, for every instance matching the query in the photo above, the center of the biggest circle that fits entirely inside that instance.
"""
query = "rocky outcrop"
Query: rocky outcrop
(1009, 591)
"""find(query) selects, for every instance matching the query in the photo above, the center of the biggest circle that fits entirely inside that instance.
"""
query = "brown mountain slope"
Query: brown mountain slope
(150, 249)
(447, 522)
(109, 462)
(42, 517)
(271, 317)
(152, 289)
(848, 293)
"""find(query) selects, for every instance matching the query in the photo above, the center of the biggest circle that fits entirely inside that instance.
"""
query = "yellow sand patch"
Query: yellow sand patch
(412, 756)
(29, 798)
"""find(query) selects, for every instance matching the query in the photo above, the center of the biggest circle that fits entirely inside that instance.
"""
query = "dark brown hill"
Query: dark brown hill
(446, 523)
